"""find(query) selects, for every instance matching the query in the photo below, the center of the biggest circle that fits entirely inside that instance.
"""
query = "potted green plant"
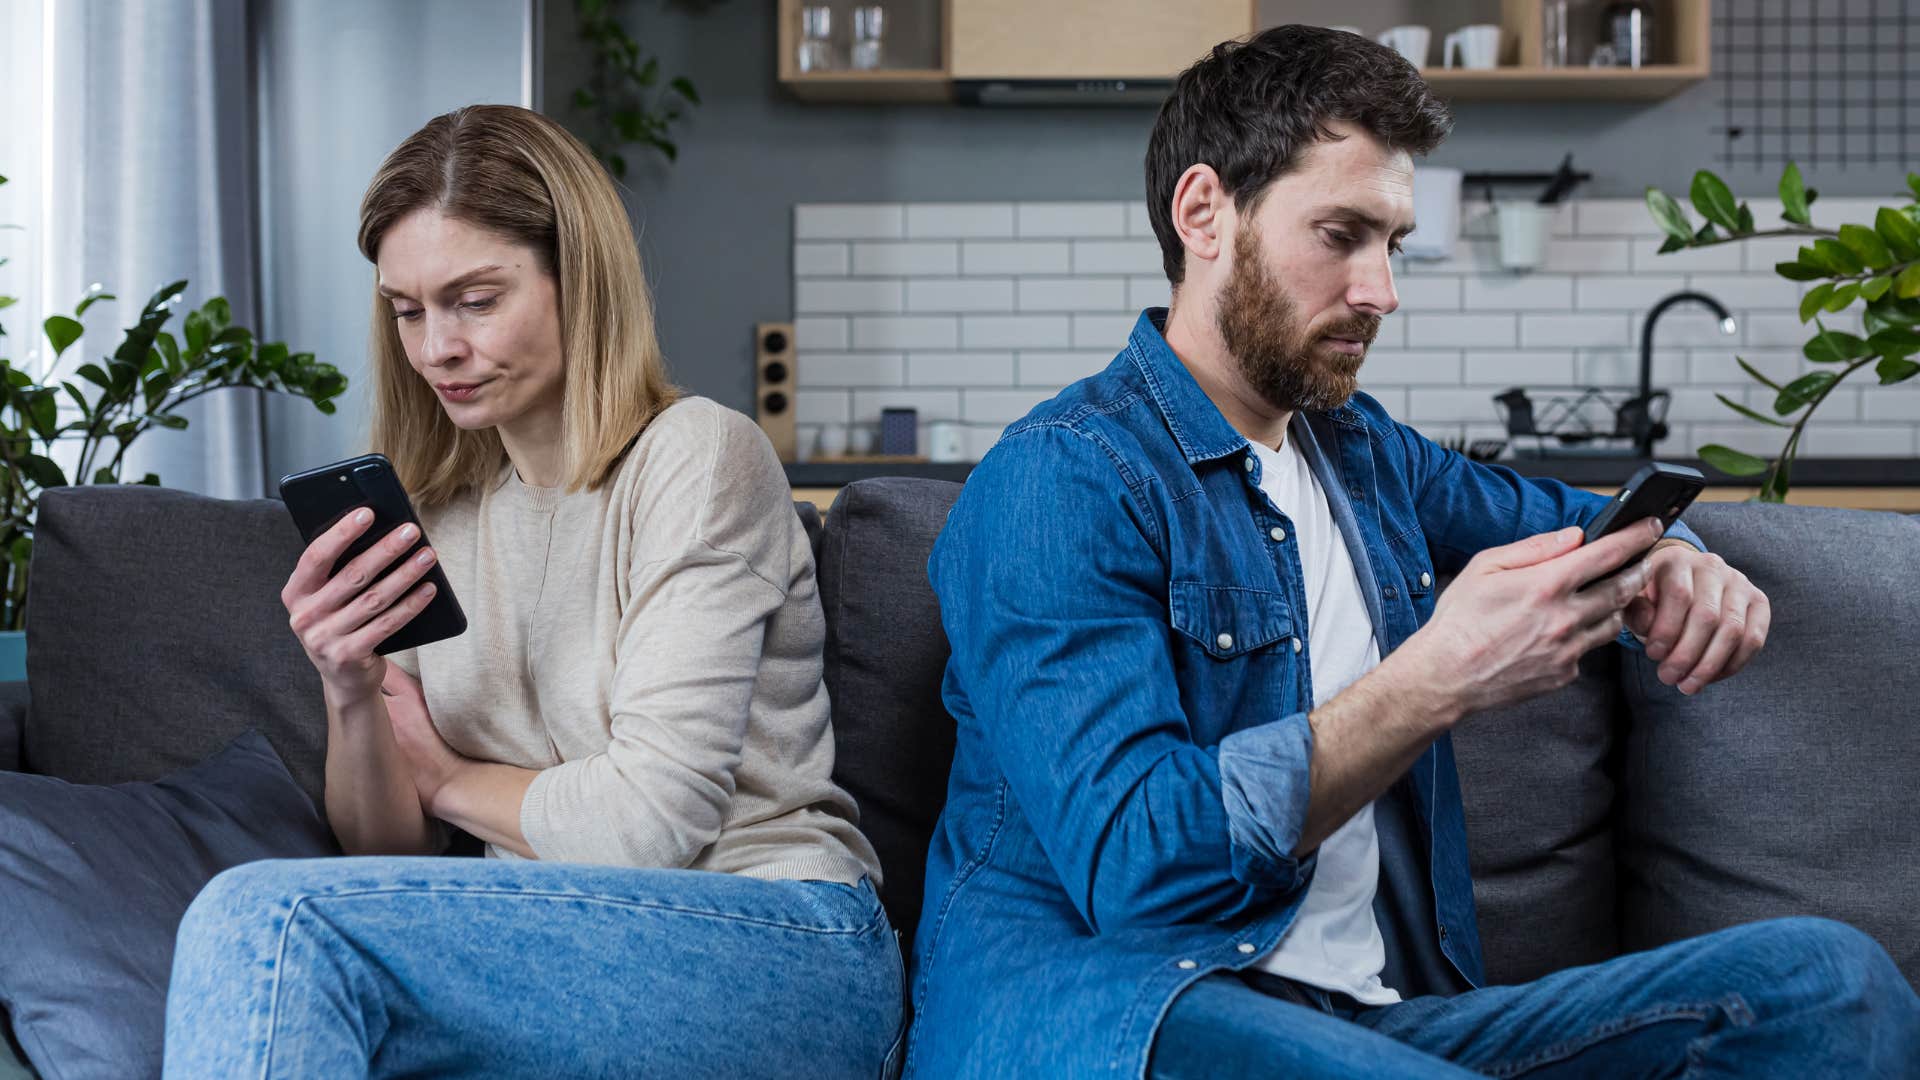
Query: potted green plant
(136, 388)
(1876, 266)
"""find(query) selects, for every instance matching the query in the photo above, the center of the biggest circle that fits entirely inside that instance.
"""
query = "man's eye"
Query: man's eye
(1340, 238)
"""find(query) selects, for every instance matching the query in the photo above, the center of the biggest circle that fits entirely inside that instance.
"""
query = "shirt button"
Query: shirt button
(1355, 492)
(1246, 947)
(1443, 932)
(1392, 593)
(1248, 463)
(1187, 965)
(1225, 641)
(1296, 644)
(1426, 579)
(1279, 534)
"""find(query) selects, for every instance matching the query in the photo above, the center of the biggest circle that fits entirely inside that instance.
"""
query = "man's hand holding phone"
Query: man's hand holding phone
(339, 618)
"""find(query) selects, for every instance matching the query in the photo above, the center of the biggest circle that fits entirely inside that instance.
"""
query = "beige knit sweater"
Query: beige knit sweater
(654, 649)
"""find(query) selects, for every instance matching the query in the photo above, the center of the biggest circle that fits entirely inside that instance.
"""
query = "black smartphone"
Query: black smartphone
(1655, 490)
(319, 498)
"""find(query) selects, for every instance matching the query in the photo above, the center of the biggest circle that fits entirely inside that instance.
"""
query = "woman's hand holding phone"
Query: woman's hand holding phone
(340, 618)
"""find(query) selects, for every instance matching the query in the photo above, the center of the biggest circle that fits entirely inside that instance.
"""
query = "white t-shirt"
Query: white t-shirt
(1334, 942)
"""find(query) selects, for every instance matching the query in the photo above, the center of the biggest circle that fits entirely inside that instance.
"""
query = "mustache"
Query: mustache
(1362, 328)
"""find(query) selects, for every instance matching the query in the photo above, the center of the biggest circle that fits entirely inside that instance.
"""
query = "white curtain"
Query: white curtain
(148, 158)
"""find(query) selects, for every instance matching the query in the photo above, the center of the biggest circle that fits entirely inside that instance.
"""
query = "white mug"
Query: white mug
(946, 442)
(1409, 41)
(1479, 46)
(833, 440)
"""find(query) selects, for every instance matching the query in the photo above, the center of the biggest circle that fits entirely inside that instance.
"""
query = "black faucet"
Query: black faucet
(1636, 415)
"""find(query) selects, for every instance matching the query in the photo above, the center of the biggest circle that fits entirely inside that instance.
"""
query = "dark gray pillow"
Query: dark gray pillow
(886, 654)
(1790, 788)
(1536, 780)
(156, 634)
(13, 719)
(94, 881)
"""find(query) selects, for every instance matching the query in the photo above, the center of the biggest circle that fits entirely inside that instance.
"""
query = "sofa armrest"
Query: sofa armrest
(13, 724)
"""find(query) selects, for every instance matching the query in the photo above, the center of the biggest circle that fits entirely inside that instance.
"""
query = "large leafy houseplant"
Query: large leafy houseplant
(136, 388)
(1876, 266)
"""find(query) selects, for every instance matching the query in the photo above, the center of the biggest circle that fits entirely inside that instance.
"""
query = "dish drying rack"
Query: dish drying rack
(1577, 420)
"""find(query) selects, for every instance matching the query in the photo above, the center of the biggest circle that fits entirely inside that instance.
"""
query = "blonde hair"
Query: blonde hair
(524, 178)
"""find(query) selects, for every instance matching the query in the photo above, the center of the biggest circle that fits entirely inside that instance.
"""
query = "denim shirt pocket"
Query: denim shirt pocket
(1229, 621)
(1412, 560)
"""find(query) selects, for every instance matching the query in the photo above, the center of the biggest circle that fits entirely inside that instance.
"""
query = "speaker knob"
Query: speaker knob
(773, 341)
(774, 372)
(775, 403)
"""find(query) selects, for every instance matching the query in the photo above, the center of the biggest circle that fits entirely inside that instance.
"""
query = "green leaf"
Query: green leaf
(79, 399)
(1874, 288)
(1907, 285)
(326, 407)
(1902, 236)
(43, 412)
(219, 312)
(42, 471)
(62, 332)
(1705, 232)
(1913, 182)
(21, 550)
(1893, 341)
(1843, 296)
(685, 89)
(1755, 372)
(8, 301)
(162, 297)
(1714, 200)
(1731, 461)
(1671, 243)
(1794, 271)
(104, 475)
(1803, 390)
(170, 349)
(93, 297)
(582, 99)
(151, 479)
(1810, 304)
(1746, 218)
(1749, 413)
(1867, 244)
(1834, 347)
(1818, 260)
(1667, 213)
(179, 423)
(1793, 196)
(649, 72)
(668, 148)
(1893, 369)
(1839, 256)
(618, 163)
(197, 332)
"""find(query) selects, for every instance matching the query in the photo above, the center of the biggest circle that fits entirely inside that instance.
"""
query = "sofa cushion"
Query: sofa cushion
(885, 657)
(96, 880)
(1790, 788)
(156, 634)
(1536, 779)
(13, 719)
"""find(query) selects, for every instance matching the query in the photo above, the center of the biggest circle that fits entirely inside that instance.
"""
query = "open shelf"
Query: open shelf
(899, 85)
(1648, 83)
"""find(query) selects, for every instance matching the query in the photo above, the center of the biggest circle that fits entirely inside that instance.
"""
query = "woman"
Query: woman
(634, 721)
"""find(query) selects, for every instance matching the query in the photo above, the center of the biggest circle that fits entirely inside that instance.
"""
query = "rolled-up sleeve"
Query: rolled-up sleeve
(1054, 595)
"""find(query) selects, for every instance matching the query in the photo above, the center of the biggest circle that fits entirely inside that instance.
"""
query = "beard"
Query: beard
(1291, 367)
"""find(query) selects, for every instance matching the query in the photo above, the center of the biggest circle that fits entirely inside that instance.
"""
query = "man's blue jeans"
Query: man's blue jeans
(480, 967)
(1797, 997)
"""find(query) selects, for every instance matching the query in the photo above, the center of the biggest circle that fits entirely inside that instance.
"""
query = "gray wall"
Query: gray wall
(715, 228)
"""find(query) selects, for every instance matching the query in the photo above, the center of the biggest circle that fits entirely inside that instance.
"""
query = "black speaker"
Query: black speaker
(774, 379)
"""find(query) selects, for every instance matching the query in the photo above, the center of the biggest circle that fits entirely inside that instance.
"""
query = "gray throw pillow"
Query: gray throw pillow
(1788, 789)
(94, 881)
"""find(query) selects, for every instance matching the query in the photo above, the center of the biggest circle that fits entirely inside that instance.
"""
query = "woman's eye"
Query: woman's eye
(408, 315)
(479, 305)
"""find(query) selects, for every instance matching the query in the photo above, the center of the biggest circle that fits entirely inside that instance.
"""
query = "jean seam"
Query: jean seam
(1618, 1026)
(279, 971)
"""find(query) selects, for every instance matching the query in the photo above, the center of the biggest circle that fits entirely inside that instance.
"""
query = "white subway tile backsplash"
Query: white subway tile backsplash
(905, 332)
(921, 258)
(1015, 257)
(976, 312)
(1491, 368)
(819, 260)
(1762, 252)
(1035, 219)
(849, 221)
(955, 220)
(1489, 330)
(1116, 257)
(853, 369)
(1040, 367)
(1102, 331)
(1073, 294)
(960, 369)
(1017, 331)
(845, 296)
(1529, 292)
(931, 404)
(960, 294)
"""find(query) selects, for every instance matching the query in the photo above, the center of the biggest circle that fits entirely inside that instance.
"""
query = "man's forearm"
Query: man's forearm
(1366, 736)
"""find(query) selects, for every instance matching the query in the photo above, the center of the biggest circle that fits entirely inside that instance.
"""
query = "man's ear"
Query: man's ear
(1202, 211)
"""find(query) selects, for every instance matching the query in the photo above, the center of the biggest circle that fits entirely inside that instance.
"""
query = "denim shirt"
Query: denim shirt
(1130, 681)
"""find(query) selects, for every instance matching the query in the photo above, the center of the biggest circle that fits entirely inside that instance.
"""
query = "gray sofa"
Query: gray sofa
(1611, 816)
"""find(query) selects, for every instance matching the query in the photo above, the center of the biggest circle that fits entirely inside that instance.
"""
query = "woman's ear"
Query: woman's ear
(1201, 209)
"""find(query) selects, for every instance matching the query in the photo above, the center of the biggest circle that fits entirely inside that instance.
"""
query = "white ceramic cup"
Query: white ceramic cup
(1478, 46)
(1409, 41)
(833, 440)
(1524, 228)
(946, 442)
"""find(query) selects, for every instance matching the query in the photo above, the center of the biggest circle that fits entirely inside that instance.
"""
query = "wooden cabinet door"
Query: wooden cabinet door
(1088, 39)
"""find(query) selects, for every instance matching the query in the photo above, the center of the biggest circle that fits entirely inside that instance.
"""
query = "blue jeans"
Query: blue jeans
(1797, 997)
(470, 967)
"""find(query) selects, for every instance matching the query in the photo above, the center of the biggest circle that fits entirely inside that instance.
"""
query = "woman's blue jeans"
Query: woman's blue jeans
(480, 967)
(1797, 997)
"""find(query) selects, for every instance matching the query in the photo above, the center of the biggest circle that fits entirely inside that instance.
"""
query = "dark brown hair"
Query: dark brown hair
(1251, 108)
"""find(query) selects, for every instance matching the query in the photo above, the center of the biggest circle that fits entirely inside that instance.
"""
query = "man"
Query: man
(1203, 818)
